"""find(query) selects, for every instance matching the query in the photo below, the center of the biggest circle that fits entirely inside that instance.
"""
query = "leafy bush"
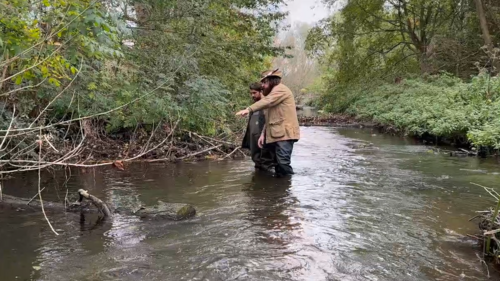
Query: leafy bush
(136, 64)
(441, 106)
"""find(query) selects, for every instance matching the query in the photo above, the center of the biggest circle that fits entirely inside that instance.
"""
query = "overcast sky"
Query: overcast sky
(309, 11)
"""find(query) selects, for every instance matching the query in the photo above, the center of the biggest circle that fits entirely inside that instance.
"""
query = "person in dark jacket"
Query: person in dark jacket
(282, 128)
(262, 157)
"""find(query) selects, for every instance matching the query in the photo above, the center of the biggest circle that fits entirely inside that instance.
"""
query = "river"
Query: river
(394, 210)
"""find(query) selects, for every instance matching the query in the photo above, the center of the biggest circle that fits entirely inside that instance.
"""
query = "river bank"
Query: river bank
(453, 147)
(168, 143)
(437, 109)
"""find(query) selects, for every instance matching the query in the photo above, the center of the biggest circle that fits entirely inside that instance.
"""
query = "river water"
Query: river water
(394, 210)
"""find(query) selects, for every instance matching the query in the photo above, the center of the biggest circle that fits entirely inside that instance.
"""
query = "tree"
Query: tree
(216, 47)
(393, 26)
(75, 71)
(488, 42)
(299, 69)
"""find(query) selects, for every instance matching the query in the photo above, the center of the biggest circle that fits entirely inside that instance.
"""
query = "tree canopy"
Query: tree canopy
(421, 66)
(77, 70)
(188, 59)
(390, 38)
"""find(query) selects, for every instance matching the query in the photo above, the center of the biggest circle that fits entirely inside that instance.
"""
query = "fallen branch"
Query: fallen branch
(242, 153)
(209, 138)
(229, 155)
(492, 232)
(199, 152)
(489, 225)
(10, 126)
(39, 181)
(162, 210)
(484, 262)
(475, 237)
(33, 198)
(101, 206)
(490, 191)
(210, 143)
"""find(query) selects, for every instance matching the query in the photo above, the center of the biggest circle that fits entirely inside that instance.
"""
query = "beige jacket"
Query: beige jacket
(281, 115)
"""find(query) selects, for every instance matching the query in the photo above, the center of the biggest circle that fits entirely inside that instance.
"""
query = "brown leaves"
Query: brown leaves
(119, 165)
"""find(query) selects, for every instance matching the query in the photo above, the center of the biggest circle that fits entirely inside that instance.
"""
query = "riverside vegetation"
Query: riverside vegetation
(423, 68)
(90, 80)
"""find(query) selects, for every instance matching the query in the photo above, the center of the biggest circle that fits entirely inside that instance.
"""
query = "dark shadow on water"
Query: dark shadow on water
(89, 223)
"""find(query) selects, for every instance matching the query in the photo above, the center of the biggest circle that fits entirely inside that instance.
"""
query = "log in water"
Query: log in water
(162, 210)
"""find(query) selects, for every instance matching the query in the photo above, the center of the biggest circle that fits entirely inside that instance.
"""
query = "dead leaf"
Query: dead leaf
(119, 165)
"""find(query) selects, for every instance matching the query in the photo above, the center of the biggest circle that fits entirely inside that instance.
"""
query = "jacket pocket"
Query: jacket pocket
(276, 128)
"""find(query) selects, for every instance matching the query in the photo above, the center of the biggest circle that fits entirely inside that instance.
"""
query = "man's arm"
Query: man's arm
(274, 98)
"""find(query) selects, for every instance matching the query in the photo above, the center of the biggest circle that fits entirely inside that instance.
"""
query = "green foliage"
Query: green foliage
(442, 106)
(45, 46)
(434, 47)
(387, 40)
(209, 53)
(134, 63)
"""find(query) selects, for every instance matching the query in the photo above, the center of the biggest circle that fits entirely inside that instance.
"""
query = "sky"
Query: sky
(310, 11)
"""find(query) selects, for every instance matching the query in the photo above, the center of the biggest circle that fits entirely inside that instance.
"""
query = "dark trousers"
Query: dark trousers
(282, 151)
(263, 158)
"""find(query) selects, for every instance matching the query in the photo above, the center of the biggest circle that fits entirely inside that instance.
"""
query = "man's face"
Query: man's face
(255, 95)
(266, 87)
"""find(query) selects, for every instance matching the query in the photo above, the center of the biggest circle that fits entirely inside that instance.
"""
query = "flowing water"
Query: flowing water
(394, 210)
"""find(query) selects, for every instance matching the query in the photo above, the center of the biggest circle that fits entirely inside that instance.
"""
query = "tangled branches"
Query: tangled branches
(489, 224)
(166, 142)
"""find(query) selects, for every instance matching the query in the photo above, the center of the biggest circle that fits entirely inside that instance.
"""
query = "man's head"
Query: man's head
(270, 79)
(255, 91)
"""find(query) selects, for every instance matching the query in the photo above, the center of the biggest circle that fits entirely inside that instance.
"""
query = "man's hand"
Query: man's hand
(243, 112)
(260, 142)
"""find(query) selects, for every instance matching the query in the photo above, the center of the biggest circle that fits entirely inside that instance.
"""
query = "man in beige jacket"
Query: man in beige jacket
(282, 126)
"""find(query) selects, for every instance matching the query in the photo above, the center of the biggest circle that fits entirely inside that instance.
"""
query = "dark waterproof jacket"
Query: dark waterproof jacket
(260, 157)
(255, 125)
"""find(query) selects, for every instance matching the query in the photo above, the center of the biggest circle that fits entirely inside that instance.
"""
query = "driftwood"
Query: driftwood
(162, 210)
(101, 206)
(489, 225)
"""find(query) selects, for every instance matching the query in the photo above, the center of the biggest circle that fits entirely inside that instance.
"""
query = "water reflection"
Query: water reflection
(270, 204)
(387, 211)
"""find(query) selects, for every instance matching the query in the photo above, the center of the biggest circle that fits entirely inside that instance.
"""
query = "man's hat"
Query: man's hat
(271, 73)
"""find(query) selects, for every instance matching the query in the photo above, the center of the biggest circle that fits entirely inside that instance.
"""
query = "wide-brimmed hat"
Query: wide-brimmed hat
(271, 73)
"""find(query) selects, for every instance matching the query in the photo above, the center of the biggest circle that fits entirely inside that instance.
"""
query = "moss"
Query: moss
(187, 211)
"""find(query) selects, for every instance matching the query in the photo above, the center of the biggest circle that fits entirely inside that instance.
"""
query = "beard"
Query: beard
(266, 91)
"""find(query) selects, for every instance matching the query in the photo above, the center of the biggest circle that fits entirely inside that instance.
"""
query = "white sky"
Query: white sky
(309, 11)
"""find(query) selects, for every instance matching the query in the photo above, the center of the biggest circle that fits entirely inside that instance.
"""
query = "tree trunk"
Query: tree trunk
(89, 129)
(486, 33)
(425, 65)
